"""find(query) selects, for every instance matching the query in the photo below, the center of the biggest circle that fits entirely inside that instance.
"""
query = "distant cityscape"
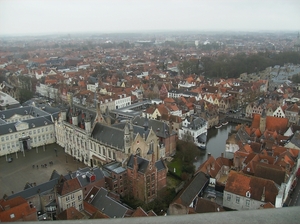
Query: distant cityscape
(127, 114)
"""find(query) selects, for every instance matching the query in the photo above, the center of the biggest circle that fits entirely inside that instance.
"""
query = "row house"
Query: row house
(225, 104)
(62, 192)
(178, 93)
(68, 194)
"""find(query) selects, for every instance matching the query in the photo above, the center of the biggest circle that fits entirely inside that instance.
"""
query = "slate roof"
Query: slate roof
(42, 188)
(160, 165)
(23, 111)
(82, 175)
(142, 163)
(191, 191)
(114, 167)
(33, 123)
(109, 135)
(296, 139)
(160, 128)
(196, 123)
(39, 118)
(108, 205)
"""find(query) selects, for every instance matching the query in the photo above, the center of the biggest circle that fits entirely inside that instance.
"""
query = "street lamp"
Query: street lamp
(55, 151)
(66, 159)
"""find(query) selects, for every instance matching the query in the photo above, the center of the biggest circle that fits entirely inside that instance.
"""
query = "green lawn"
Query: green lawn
(175, 165)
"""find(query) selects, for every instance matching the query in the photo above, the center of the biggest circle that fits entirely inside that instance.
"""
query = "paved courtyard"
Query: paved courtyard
(14, 175)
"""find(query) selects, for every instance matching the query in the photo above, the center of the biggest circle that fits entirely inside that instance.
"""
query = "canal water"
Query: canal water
(216, 140)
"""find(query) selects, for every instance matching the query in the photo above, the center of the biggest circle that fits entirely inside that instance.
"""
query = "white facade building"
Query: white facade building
(195, 127)
(26, 128)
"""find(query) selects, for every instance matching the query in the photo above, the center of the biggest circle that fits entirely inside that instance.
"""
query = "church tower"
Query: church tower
(127, 139)
(99, 117)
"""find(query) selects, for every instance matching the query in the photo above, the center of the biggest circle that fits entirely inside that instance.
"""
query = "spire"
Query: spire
(99, 117)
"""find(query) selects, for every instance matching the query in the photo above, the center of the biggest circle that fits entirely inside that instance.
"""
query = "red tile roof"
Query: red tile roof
(16, 209)
(68, 186)
(240, 184)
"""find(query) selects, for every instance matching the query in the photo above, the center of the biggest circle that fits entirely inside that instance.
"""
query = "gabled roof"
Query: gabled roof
(191, 191)
(68, 186)
(240, 184)
(139, 212)
(109, 135)
(18, 209)
(270, 172)
(82, 174)
(204, 205)
(107, 205)
(70, 214)
(142, 163)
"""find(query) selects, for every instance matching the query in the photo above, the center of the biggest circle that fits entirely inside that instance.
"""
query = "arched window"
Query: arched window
(138, 152)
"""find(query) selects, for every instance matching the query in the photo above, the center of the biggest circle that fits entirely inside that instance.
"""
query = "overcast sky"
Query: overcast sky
(68, 16)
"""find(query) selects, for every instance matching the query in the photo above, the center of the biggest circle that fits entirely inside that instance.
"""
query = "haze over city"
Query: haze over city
(33, 17)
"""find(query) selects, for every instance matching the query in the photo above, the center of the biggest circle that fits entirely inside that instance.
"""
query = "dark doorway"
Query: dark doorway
(91, 163)
(25, 146)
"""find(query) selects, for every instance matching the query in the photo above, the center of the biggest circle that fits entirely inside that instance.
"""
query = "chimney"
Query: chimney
(222, 154)
(208, 155)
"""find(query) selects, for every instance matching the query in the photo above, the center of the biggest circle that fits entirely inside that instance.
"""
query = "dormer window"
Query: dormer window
(248, 194)
(33, 125)
(10, 130)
